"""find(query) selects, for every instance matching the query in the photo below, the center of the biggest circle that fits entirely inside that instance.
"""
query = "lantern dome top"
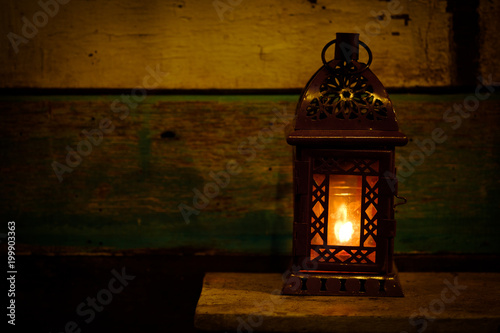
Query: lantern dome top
(344, 102)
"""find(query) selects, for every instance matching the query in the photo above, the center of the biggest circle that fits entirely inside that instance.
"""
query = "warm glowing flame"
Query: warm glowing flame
(343, 228)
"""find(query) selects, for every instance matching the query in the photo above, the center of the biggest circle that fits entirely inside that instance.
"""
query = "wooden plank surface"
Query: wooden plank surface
(254, 44)
(489, 43)
(433, 302)
(126, 193)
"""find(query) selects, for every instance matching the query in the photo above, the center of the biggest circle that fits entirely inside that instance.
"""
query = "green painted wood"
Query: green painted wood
(125, 194)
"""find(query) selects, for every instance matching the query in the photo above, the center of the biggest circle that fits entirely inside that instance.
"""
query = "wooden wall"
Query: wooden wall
(126, 193)
(242, 44)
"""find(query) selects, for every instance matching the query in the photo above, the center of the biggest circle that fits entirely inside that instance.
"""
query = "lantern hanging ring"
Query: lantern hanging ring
(361, 43)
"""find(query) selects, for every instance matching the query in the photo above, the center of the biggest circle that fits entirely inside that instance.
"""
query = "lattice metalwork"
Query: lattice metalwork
(334, 165)
(319, 249)
(340, 254)
(319, 209)
(369, 214)
(347, 95)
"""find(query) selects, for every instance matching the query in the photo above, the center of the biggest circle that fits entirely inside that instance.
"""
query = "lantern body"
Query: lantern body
(344, 137)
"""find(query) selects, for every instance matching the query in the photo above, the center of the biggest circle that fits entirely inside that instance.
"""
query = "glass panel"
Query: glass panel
(317, 240)
(344, 210)
(343, 255)
(318, 179)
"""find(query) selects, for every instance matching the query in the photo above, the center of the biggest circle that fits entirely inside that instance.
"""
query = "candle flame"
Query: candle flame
(343, 228)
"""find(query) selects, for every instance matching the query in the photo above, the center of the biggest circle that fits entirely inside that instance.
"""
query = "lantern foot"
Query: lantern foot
(344, 284)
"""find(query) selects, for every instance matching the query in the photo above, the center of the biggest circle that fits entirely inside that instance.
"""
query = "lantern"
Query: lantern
(344, 136)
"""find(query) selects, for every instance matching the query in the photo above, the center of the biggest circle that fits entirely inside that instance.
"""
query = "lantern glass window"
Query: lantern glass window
(344, 210)
(344, 206)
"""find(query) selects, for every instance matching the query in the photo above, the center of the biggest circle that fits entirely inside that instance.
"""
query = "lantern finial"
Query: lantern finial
(347, 46)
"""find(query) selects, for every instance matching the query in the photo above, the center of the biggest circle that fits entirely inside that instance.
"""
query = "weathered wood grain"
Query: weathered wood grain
(489, 43)
(126, 193)
(437, 302)
(258, 45)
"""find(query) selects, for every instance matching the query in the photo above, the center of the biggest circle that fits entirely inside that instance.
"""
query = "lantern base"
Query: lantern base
(342, 284)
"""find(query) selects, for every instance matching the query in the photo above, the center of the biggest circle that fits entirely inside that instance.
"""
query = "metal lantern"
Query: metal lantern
(344, 136)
